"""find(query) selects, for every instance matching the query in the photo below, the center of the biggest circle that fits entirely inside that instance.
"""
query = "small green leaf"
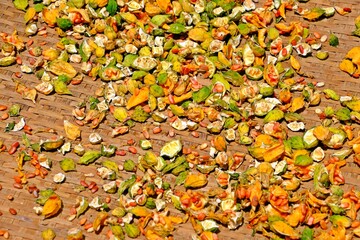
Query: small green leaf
(176, 28)
(333, 40)
(112, 7)
(14, 110)
(61, 87)
(201, 95)
(303, 161)
(307, 234)
(9, 127)
(64, 23)
(21, 4)
(67, 165)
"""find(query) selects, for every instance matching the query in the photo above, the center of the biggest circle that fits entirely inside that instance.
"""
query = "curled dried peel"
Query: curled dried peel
(295, 63)
(136, 99)
(284, 229)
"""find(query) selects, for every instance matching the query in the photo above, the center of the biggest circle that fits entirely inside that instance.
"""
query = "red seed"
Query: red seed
(132, 150)
(3, 107)
(171, 99)
(203, 124)
(18, 60)
(12, 211)
(79, 122)
(29, 43)
(32, 61)
(146, 134)
(112, 109)
(94, 189)
(346, 9)
(83, 221)
(17, 185)
(195, 134)
(157, 130)
(171, 133)
(317, 35)
(186, 151)
(27, 128)
(88, 226)
(84, 184)
(147, 108)
(120, 152)
(92, 185)
(301, 49)
(284, 52)
(4, 116)
(130, 142)
(76, 82)
(18, 74)
(170, 114)
(17, 179)
(13, 148)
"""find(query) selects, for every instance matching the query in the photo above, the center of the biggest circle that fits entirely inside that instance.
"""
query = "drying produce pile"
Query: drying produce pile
(228, 68)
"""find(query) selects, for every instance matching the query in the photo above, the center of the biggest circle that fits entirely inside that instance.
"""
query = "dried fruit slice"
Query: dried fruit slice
(254, 73)
(171, 149)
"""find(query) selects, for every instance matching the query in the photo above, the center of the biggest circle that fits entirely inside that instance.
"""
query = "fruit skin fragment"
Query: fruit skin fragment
(89, 157)
(67, 165)
(72, 131)
(314, 14)
(52, 206)
(284, 229)
(60, 67)
(195, 181)
(347, 66)
(132, 230)
(333, 40)
(48, 234)
(7, 61)
(21, 4)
